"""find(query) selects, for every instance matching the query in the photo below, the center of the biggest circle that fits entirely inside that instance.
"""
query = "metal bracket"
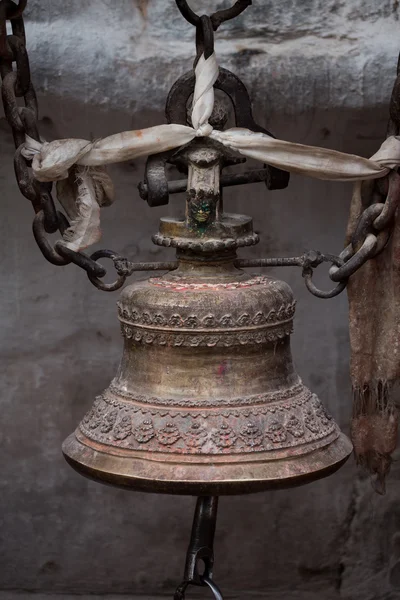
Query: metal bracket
(156, 187)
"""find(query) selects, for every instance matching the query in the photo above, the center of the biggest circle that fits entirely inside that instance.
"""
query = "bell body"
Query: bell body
(206, 399)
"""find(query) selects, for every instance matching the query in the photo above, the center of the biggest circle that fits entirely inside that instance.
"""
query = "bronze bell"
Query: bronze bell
(206, 399)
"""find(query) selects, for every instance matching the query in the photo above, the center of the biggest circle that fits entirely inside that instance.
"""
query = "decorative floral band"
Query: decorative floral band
(132, 316)
(286, 425)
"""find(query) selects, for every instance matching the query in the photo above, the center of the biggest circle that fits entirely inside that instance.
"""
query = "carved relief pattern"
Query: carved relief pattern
(196, 436)
(311, 421)
(123, 427)
(276, 432)
(208, 321)
(224, 436)
(194, 340)
(296, 394)
(251, 434)
(284, 424)
(168, 435)
(173, 329)
(295, 427)
(206, 245)
(94, 418)
(144, 432)
(109, 421)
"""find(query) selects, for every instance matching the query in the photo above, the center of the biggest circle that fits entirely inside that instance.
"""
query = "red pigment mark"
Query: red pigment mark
(222, 369)
(139, 133)
(190, 289)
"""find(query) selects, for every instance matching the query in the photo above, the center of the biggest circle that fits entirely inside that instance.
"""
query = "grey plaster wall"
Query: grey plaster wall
(312, 53)
(60, 343)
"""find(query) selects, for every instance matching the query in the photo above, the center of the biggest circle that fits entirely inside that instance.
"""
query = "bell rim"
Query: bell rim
(176, 478)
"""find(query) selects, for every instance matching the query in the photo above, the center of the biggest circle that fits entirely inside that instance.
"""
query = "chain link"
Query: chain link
(372, 232)
(16, 85)
(216, 18)
(374, 227)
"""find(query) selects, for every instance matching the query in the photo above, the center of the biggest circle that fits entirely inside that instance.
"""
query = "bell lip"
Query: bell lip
(171, 478)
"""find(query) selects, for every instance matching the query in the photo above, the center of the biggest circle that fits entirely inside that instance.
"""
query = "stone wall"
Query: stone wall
(319, 73)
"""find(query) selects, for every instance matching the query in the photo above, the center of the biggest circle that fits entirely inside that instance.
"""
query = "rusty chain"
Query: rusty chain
(375, 224)
(374, 227)
(23, 120)
(369, 239)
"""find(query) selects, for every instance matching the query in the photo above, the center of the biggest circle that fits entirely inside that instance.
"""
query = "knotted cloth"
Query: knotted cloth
(374, 292)
(53, 161)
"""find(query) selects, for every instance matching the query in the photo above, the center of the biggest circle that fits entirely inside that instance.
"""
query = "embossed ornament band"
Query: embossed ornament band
(206, 399)
(238, 428)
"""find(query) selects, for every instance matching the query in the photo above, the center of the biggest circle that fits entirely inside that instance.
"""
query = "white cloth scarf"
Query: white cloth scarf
(84, 186)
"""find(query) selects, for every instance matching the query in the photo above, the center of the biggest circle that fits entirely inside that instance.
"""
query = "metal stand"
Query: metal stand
(201, 548)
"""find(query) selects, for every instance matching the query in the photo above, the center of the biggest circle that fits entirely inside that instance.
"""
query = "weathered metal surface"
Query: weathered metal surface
(375, 223)
(234, 88)
(180, 185)
(156, 188)
(206, 399)
(23, 121)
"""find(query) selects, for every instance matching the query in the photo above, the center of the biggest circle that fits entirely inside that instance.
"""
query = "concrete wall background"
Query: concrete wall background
(295, 54)
(60, 343)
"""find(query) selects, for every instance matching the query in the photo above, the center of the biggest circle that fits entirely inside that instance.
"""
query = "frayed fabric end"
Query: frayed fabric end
(81, 195)
(374, 431)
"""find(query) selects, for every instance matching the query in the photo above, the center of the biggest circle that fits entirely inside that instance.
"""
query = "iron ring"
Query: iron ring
(312, 288)
(106, 287)
(355, 261)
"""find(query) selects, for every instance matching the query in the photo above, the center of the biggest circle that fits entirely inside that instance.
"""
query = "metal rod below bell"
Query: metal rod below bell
(201, 548)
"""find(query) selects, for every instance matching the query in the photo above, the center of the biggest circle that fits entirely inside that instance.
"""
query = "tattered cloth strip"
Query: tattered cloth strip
(374, 292)
(374, 307)
(53, 161)
(81, 190)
